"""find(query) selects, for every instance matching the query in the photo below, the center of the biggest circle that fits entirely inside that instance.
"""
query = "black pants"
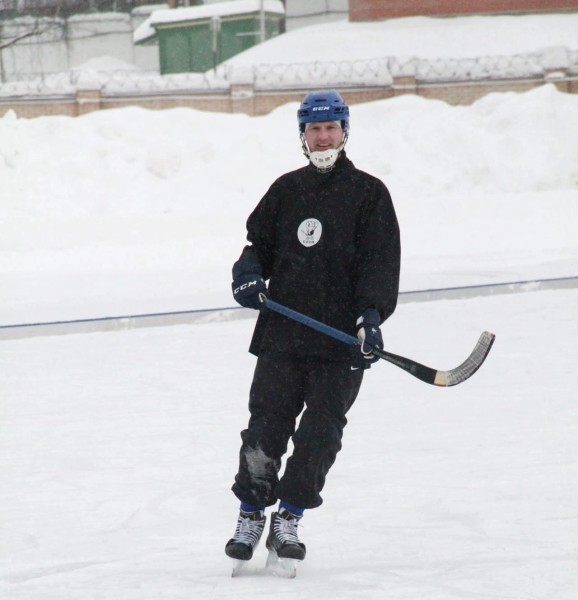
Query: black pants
(282, 387)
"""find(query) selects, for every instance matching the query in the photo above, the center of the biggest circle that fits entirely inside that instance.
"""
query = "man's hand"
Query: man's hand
(246, 289)
(369, 334)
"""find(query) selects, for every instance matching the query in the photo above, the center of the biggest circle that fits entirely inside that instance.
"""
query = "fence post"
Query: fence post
(242, 91)
(88, 100)
(404, 84)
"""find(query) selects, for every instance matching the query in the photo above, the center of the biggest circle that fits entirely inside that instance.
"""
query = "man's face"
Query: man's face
(324, 135)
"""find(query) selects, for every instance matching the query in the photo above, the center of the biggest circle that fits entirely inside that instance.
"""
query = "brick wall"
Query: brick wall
(367, 10)
(260, 102)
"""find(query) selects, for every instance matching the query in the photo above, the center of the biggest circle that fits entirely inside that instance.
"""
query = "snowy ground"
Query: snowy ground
(127, 211)
(117, 450)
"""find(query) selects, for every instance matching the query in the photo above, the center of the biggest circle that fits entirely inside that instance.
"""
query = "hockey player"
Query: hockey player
(326, 239)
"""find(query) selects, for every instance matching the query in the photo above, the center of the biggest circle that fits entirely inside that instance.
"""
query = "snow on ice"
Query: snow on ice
(117, 450)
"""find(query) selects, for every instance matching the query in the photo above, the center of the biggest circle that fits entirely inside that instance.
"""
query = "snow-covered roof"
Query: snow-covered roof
(421, 37)
(206, 11)
(147, 9)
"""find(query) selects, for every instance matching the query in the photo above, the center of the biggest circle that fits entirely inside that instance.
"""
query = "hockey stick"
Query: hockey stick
(423, 373)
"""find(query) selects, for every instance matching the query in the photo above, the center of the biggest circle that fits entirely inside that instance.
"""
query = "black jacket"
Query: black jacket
(329, 244)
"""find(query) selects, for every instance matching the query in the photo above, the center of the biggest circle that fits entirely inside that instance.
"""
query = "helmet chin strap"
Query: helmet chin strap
(324, 160)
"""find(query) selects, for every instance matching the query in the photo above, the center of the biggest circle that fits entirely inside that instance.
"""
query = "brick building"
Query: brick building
(262, 88)
(368, 10)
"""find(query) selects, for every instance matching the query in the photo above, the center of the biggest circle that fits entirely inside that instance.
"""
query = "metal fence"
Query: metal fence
(382, 71)
(378, 72)
(116, 82)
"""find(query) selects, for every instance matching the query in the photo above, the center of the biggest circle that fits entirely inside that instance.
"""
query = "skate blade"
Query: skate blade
(238, 567)
(282, 567)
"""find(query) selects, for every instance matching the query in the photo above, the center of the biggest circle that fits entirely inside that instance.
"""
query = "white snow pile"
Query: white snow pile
(430, 49)
(151, 197)
(118, 450)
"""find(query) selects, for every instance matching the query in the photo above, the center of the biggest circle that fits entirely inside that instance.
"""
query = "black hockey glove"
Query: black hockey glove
(369, 335)
(248, 283)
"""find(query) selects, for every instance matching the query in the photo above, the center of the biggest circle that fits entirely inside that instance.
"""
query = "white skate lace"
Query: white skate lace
(286, 530)
(248, 531)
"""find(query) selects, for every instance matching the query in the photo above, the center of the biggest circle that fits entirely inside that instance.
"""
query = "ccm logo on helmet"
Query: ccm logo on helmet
(321, 107)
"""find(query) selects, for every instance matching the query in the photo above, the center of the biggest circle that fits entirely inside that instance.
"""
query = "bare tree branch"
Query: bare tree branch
(18, 38)
(36, 29)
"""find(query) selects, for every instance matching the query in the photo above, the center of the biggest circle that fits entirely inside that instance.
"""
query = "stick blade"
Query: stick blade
(470, 365)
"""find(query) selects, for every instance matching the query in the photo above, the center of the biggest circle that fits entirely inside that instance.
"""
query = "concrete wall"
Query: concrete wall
(63, 44)
(66, 43)
(300, 13)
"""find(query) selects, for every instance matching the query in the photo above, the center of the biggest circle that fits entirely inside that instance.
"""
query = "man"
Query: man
(326, 238)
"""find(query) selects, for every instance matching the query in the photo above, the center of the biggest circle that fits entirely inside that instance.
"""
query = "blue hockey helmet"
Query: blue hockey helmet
(324, 105)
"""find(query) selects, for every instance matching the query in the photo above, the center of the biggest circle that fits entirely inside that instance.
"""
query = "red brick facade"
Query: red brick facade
(368, 10)
(255, 103)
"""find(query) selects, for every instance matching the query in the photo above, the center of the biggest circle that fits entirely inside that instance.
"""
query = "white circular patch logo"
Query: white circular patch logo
(309, 232)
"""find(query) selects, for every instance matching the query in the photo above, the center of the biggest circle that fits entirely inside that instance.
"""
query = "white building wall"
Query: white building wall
(300, 13)
(43, 52)
(99, 34)
(66, 44)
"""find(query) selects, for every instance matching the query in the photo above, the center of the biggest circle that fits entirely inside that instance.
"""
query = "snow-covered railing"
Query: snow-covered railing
(475, 69)
(354, 73)
(384, 71)
(572, 62)
(343, 74)
(116, 82)
(258, 89)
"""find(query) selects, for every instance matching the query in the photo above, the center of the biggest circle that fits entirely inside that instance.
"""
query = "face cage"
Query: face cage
(307, 152)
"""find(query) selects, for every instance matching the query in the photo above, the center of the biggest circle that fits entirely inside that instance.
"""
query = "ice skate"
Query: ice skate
(240, 547)
(285, 549)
